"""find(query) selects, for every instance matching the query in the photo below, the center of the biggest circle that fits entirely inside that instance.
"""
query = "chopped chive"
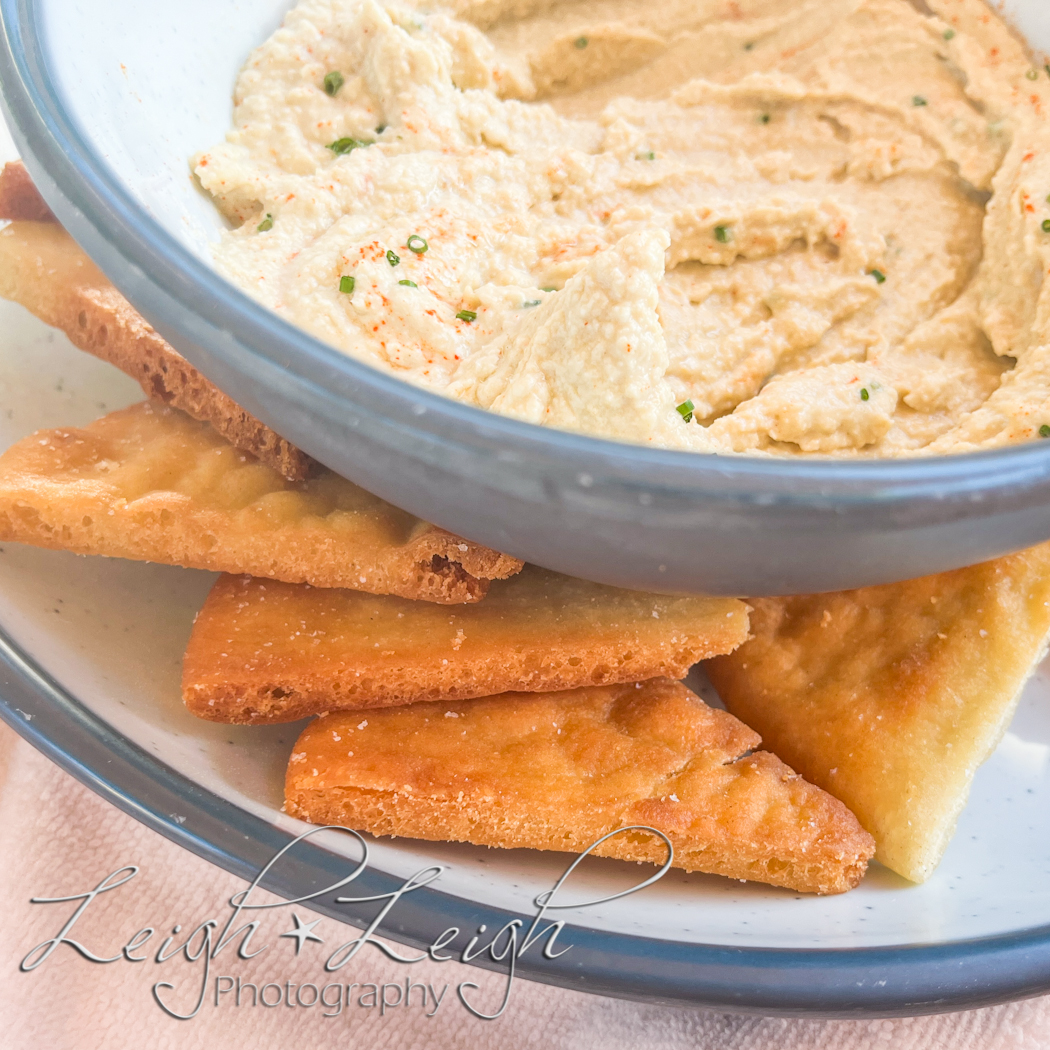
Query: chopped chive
(749, 45)
(409, 284)
(918, 100)
(531, 302)
(948, 34)
(864, 395)
(685, 410)
(467, 315)
(1044, 431)
(1047, 68)
(722, 234)
(266, 224)
(333, 82)
(392, 258)
(1032, 74)
(548, 289)
(580, 43)
(880, 277)
(763, 118)
(380, 129)
(1046, 225)
(417, 244)
(647, 155)
(345, 145)
(346, 284)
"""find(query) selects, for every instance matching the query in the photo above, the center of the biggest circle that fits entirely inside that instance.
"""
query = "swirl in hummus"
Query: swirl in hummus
(763, 226)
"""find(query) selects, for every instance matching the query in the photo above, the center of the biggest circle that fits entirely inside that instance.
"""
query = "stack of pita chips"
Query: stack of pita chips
(459, 695)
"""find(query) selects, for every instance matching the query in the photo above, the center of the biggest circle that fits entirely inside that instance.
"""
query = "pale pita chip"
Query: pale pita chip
(556, 771)
(151, 484)
(43, 269)
(265, 652)
(891, 697)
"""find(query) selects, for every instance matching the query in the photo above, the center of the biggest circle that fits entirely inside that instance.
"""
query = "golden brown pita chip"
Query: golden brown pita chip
(19, 198)
(150, 483)
(42, 268)
(556, 771)
(265, 652)
(891, 697)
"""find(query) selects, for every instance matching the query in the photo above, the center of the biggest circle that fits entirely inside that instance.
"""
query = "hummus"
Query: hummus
(809, 227)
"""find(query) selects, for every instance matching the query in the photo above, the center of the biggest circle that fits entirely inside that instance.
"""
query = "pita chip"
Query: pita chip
(152, 484)
(264, 652)
(43, 269)
(890, 697)
(557, 771)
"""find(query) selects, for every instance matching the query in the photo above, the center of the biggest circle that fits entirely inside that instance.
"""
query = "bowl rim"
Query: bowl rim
(95, 206)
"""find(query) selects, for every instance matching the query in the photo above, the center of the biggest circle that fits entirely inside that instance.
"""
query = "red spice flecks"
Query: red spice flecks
(1028, 156)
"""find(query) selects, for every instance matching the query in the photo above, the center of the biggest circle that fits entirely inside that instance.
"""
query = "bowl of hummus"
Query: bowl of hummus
(743, 297)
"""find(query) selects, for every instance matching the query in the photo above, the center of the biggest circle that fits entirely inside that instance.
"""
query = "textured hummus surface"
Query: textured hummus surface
(765, 226)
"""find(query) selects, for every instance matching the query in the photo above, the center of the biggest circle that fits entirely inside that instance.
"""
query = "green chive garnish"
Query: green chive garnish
(580, 42)
(918, 100)
(1047, 68)
(647, 155)
(1032, 74)
(531, 302)
(880, 277)
(467, 315)
(409, 284)
(685, 410)
(346, 284)
(548, 289)
(722, 234)
(764, 118)
(750, 44)
(1044, 431)
(1046, 225)
(332, 83)
(949, 33)
(417, 244)
(345, 145)
(392, 258)
(380, 129)
(864, 395)
(266, 224)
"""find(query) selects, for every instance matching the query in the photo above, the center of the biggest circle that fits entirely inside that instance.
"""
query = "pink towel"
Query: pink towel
(61, 839)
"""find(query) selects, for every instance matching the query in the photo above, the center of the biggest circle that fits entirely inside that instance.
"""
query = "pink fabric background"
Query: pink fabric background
(60, 838)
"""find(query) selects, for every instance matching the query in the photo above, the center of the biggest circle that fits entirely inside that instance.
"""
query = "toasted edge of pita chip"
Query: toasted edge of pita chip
(557, 771)
(264, 652)
(890, 697)
(152, 484)
(43, 269)
(20, 200)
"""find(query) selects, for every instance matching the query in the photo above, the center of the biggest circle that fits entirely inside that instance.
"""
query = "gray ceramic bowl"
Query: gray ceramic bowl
(107, 100)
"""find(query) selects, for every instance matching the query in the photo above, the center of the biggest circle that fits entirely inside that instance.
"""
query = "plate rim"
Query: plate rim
(843, 983)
